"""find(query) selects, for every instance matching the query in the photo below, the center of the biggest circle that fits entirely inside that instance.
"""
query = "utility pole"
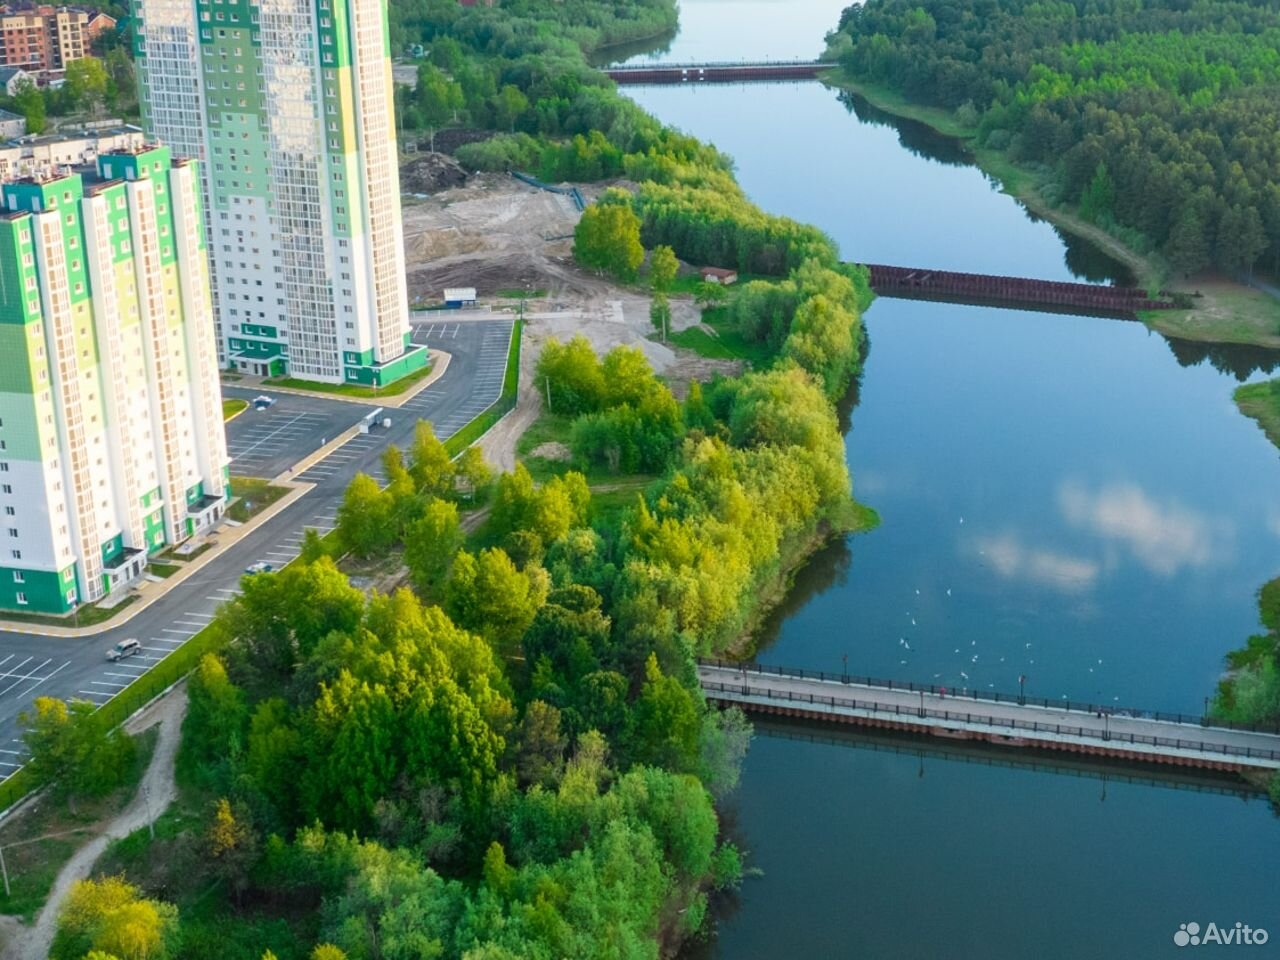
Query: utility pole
(4, 870)
(146, 799)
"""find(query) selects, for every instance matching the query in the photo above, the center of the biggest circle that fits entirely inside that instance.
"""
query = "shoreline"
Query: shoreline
(1226, 312)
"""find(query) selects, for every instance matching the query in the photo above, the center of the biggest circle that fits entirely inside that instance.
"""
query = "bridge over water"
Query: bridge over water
(1012, 721)
(744, 72)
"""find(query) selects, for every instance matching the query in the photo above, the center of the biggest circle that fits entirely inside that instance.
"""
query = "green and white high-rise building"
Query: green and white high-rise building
(111, 435)
(288, 104)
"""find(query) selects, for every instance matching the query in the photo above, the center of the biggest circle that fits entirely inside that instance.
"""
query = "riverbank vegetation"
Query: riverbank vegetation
(1250, 692)
(510, 756)
(1154, 123)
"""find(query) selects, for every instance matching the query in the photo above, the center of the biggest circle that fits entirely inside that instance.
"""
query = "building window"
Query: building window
(9, 512)
(22, 598)
(17, 554)
(13, 532)
(19, 577)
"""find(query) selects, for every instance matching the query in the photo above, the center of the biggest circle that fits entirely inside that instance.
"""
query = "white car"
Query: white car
(125, 648)
(260, 567)
(262, 401)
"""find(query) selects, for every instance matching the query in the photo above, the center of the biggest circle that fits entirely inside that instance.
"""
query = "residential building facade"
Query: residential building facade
(288, 104)
(111, 436)
(42, 40)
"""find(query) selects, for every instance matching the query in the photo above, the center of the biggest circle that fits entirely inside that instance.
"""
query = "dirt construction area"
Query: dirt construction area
(502, 236)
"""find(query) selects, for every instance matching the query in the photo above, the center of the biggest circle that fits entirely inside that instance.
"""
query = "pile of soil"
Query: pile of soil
(431, 173)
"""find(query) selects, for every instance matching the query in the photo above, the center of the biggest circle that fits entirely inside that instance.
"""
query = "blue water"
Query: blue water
(1100, 514)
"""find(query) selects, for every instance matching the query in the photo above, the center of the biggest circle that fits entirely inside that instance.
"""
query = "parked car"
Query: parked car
(260, 567)
(262, 401)
(125, 648)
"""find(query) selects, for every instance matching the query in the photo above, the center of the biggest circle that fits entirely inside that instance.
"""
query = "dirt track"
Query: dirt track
(154, 795)
(492, 234)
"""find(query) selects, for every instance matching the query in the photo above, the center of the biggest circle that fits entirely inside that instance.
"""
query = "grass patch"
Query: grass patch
(253, 495)
(233, 407)
(513, 294)
(354, 389)
(724, 342)
(1261, 402)
(164, 570)
(171, 553)
(33, 866)
(84, 616)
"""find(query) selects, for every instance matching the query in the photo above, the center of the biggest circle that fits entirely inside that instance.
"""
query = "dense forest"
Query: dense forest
(1156, 118)
(510, 756)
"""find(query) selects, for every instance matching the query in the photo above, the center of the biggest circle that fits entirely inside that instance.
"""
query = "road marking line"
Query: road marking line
(185, 632)
(15, 753)
(107, 683)
(96, 693)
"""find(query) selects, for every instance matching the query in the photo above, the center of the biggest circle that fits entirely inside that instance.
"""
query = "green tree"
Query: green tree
(541, 753)
(472, 470)
(86, 83)
(663, 267)
(108, 915)
(72, 748)
(232, 846)
(607, 238)
(710, 294)
(1098, 199)
(660, 314)
(664, 721)
(1241, 239)
(429, 462)
(366, 518)
(486, 593)
(213, 729)
(430, 544)
(509, 105)
(28, 101)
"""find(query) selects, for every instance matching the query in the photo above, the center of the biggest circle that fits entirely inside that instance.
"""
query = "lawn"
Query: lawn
(34, 865)
(723, 342)
(1261, 402)
(85, 616)
(164, 570)
(233, 407)
(252, 497)
(354, 389)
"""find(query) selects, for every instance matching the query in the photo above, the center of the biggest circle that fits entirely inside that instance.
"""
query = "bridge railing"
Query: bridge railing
(716, 65)
(1070, 706)
(983, 719)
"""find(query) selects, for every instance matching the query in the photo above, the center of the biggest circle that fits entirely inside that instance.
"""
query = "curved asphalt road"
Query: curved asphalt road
(32, 665)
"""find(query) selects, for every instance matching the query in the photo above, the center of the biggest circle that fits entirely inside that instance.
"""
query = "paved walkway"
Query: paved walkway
(1103, 732)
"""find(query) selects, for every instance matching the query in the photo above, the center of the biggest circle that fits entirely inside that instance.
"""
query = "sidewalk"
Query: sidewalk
(440, 359)
(148, 592)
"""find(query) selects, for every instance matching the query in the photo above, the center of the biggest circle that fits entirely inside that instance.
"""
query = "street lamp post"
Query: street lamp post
(1022, 689)
(844, 672)
(922, 704)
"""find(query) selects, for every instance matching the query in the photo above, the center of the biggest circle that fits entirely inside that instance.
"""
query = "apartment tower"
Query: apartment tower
(111, 436)
(288, 104)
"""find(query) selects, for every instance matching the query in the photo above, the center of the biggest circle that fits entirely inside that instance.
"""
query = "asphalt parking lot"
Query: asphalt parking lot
(264, 443)
(488, 341)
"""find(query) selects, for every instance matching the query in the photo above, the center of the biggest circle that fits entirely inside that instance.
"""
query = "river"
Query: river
(1067, 499)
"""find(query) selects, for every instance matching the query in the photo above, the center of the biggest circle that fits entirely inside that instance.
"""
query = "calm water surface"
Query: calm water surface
(1071, 499)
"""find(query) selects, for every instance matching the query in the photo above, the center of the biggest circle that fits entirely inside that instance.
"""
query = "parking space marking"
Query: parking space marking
(96, 693)
(107, 683)
(184, 632)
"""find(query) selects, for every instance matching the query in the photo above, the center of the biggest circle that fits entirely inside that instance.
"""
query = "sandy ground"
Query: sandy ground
(498, 234)
(154, 795)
